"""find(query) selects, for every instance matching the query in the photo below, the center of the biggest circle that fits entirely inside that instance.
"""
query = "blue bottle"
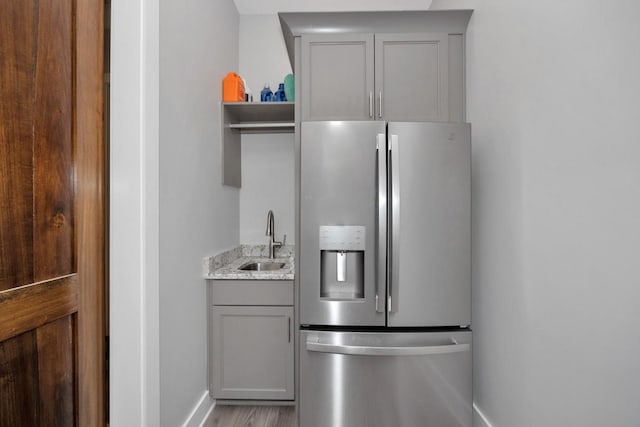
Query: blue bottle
(266, 95)
(280, 95)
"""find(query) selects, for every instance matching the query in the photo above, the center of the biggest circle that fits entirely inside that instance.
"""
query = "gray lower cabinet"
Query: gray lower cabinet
(252, 353)
(382, 76)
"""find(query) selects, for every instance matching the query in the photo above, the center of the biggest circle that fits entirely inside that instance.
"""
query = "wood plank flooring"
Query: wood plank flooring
(252, 416)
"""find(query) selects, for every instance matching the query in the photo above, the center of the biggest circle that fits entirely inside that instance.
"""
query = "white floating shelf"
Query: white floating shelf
(249, 117)
(258, 112)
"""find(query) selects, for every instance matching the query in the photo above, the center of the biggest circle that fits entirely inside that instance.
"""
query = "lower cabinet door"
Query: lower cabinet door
(252, 354)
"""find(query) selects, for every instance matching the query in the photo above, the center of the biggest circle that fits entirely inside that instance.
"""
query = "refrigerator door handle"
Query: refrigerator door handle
(357, 350)
(394, 224)
(381, 235)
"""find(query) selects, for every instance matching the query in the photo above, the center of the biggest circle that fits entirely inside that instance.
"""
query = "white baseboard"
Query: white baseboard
(479, 418)
(200, 413)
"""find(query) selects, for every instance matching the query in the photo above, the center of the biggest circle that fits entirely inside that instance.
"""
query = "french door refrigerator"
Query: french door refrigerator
(385, 296)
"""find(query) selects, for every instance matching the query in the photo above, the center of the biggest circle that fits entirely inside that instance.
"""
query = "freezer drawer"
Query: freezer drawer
(363, 379)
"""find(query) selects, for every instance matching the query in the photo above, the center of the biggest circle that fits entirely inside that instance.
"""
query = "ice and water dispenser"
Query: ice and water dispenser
(342, 262)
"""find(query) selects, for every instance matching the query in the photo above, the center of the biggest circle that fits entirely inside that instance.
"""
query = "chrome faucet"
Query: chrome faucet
(271, 233)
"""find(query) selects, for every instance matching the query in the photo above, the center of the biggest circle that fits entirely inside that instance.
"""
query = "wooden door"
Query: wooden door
(51, 213)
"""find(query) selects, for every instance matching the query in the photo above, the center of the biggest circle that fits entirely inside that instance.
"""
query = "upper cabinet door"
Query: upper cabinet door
(337, 77)
(412, 72)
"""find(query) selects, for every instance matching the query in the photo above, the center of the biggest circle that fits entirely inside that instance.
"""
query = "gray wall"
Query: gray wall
(268, 180)
(267, 159)
(553, 94)
(133, 215)
(198, 216)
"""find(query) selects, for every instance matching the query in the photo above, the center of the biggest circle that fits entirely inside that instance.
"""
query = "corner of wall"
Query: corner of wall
(201, 411)
(479, 419)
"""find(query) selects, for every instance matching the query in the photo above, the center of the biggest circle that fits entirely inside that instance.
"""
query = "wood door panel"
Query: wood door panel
(37, 376)
(18, 381)
(32, 306)
(56, 372)
(36, 190)
(53, 142)
(16, 147)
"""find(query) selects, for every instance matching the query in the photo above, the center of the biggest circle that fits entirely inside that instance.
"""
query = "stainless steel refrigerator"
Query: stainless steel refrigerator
(384, 268)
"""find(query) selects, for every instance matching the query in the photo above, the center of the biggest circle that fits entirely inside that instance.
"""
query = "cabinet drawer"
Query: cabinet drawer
(252, 292)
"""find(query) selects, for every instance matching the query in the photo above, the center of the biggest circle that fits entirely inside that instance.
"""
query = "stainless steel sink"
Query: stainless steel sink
(262, 266)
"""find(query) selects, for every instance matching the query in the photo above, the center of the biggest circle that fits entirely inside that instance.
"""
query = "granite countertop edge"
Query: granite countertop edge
(225, 265)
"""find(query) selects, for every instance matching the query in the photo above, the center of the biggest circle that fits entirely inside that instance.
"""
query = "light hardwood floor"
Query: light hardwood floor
(252, 416)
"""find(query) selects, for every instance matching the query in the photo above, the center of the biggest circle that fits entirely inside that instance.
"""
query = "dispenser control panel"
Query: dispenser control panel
(342, 237)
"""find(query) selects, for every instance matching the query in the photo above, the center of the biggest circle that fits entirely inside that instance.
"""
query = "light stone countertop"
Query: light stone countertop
(225, 266)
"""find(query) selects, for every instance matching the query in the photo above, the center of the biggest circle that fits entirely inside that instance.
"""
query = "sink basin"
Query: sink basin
(262, 266)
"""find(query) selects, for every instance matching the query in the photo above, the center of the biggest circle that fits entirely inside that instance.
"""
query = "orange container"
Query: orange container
(232, 88)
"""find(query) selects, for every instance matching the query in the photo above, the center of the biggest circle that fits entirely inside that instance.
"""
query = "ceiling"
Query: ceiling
(265, 7)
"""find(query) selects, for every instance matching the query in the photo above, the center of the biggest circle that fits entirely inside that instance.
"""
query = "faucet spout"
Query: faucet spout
(271, 234)
(269, 231)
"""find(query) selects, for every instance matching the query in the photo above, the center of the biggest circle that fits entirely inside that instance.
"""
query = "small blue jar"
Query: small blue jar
(279, 95)
(266, 95)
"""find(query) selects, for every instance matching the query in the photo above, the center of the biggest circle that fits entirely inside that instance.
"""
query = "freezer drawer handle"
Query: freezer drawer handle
(356, 350)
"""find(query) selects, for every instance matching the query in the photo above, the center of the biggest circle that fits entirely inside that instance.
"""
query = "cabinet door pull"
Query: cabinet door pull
(380, 110)
(371, 104)
(289, 328)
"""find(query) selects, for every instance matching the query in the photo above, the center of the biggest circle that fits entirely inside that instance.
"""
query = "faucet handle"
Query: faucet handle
(284, 240)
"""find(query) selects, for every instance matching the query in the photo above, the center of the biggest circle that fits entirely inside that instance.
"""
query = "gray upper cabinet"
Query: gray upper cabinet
(386, 76)
(411, 75)
(337, 81)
